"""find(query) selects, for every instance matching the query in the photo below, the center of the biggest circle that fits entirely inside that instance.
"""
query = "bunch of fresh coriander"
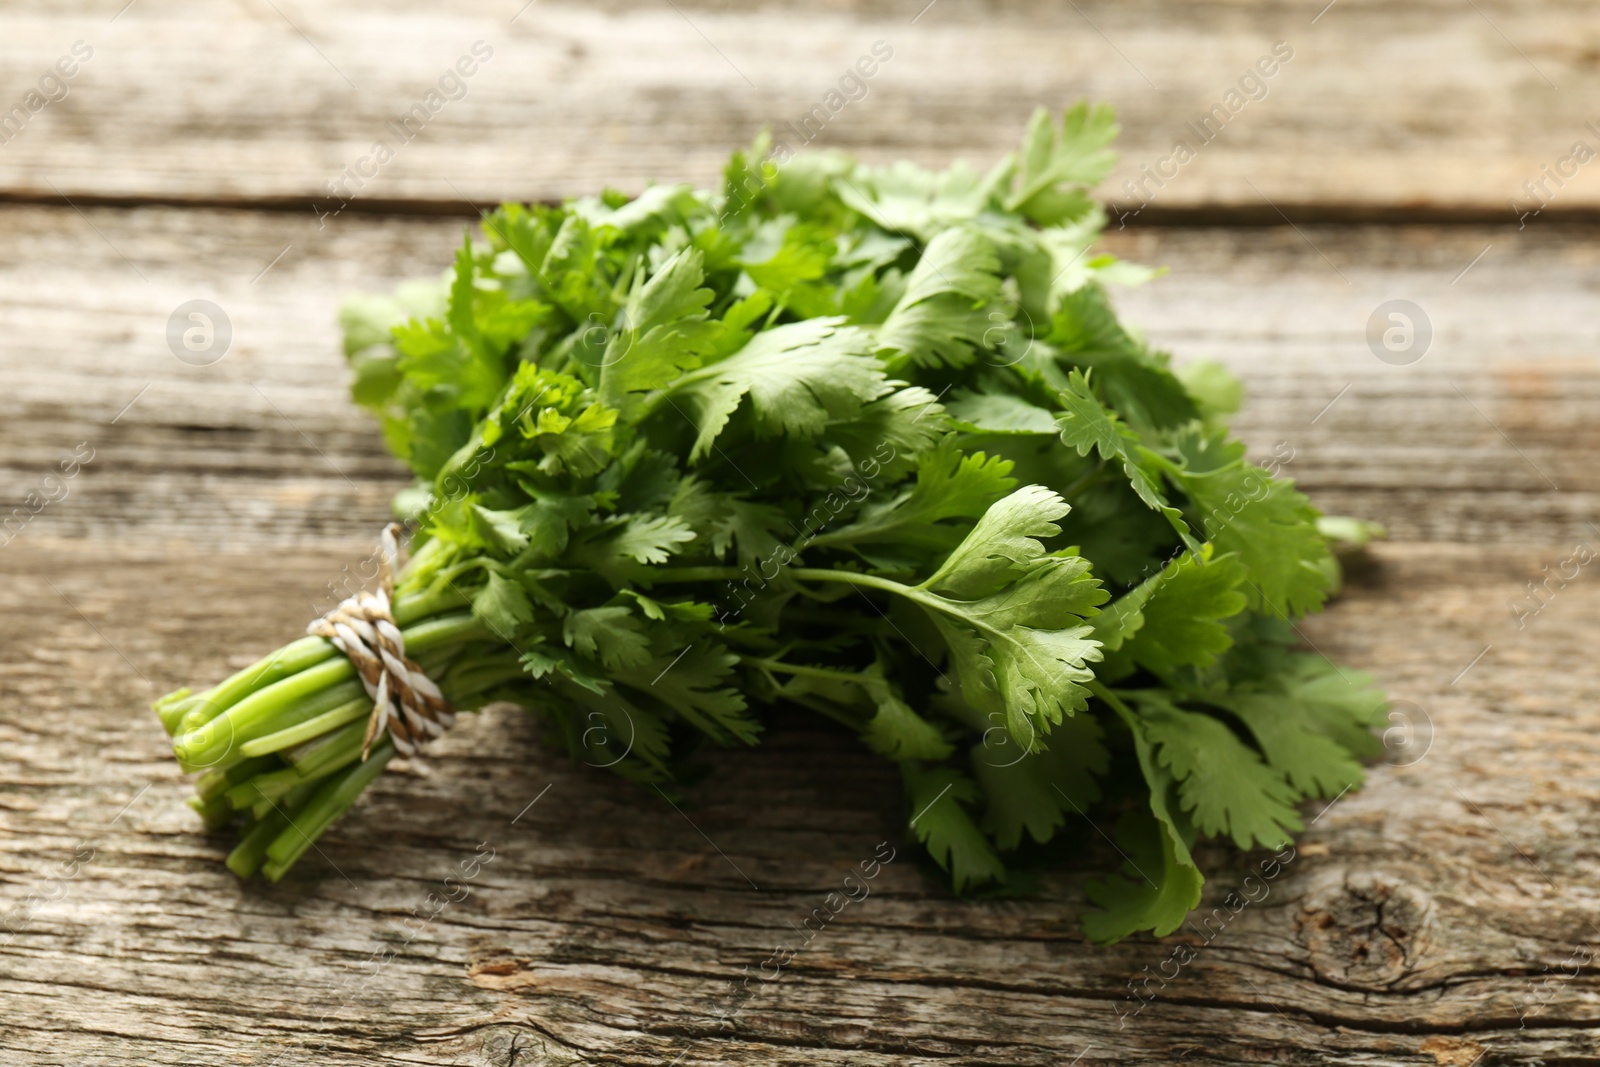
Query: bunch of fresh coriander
(869, 441)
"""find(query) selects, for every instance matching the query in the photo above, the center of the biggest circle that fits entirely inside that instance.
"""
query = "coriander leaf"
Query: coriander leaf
(1033, 792)
(549, 521)
(1272, 528)
(679, 611)
(939, 821)
(906, 198)
(1138, 383)
(1341, 703)
(504, 322)
(751, 529)
(571, 433)
(665, 331)
(432, 358)
(741, 322)
(692, 684)
(542, 661)
(459, 310)
(455, 357)
(650, 540)
(805, 184)
(1055, 165)
(610, 635)
(497, 529)
(797, 376)
(647, 214)
(1173, 619)
(998, 412)
(1225, 785)
(898, 732)
(369, 321)
(502, 605)
(526, 230)
(1182, 618)
(1157, 888)
(888, 435)
(1003, 544)
(721, 521)
(747, 180)
(1057, 263)
(1021, 644)
(795, 268)
(1087, 425)
(960, 262)
(636, 541)
(1203, 452)
(611, 730)
(1156, 846)
(1314, 763)
(949, 485)
(574, 268)
(1012, 616)
(942, 314)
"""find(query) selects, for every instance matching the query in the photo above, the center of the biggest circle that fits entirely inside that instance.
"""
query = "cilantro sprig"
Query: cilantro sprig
(866, 441)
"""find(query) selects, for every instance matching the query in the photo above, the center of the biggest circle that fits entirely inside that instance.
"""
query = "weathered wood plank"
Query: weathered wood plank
(1414, 925)
(1437, 105)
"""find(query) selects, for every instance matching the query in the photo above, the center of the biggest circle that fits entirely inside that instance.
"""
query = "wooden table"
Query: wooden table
(1443, 915)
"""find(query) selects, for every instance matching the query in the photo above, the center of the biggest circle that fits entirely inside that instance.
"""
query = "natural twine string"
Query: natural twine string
(404, 699)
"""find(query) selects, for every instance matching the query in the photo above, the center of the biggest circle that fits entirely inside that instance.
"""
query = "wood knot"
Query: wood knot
(1366, 930)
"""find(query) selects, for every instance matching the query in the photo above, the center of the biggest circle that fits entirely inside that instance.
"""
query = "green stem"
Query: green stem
(273, 708)
(280, 742)
(802, 669)
(349, 711)
(329, 751)
(446, 630)
(326, 805)
(855, 533)
(269, 786)
(288, 661)
(915, 594)
(408, 608)
(419, 568)
(869, 581)
(214, 783)
(215, 813)
(246, 857)
(172, 708)
(1110, 698)
(804, 574)
(211, 743)
(478, 678)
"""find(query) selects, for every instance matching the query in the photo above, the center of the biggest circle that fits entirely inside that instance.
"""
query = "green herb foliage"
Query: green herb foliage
(866, 441)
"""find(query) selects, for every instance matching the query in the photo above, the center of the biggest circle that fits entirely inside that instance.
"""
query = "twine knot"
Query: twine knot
(404, 699)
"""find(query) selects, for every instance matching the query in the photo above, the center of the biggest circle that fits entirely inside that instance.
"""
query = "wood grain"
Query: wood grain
(1415, 925)
(1440, 916)
(1384, 110)
(1429, 918)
